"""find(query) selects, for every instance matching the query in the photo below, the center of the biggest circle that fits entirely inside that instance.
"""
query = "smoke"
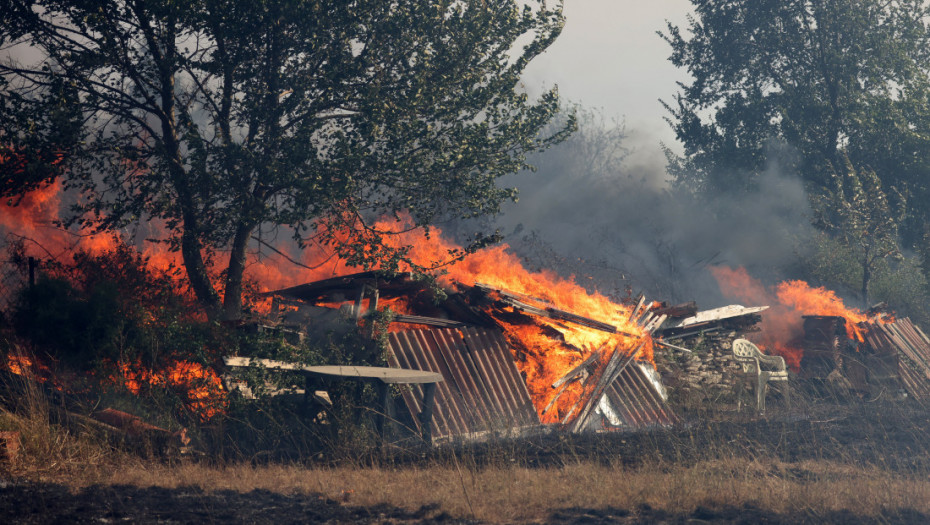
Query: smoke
(601, 207)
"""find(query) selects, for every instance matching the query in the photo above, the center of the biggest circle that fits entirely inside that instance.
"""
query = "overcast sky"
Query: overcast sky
(609, 56)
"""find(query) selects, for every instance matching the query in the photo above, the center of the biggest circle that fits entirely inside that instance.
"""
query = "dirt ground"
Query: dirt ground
(892, 437)
(49, 503)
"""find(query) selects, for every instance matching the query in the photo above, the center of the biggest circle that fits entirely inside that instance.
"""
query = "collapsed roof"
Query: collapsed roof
(482, 390)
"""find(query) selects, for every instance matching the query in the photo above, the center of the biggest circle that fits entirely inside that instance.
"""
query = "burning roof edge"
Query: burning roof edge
(325, 289)
(719, 314)
(735, 316)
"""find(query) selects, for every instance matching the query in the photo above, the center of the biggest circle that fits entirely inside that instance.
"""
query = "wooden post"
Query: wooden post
(384, 400)
(358, 303)
(309, 389)
(373, 304)
(426, 417)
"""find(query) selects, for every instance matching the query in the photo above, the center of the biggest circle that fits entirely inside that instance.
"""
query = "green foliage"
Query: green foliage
(36, 137)
(219, 116)
(97, 313)
(106, 307)
(75, 327)
(826, 261)
(857, 213)
(899, 282)
(843, 82)
(826, 78)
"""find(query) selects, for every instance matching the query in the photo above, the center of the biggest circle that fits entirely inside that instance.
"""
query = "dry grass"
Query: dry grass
(503, 489)
(513, 493)
(48, 452)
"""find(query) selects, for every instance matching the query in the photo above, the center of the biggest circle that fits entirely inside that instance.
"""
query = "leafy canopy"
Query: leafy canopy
(220, 116)
(826, 77)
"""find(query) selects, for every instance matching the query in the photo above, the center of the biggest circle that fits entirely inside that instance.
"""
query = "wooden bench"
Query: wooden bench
(381, 377)
(762, 368)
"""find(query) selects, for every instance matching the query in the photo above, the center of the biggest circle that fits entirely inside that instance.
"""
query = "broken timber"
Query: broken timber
(519, 302)
(429, 321)
(573, 374)
(615, 365)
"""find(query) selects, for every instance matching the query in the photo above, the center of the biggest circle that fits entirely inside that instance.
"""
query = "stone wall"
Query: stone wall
(705, 378)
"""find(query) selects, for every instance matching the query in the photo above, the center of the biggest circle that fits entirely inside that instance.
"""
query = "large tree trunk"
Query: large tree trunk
(191, 247)
(197, 274)
(232, 297)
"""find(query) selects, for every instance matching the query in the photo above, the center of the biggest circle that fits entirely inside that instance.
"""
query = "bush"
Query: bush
(901, 284)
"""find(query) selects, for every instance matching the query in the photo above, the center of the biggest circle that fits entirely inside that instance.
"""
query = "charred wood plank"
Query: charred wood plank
(667, 345)
(679, 310)
(655, 323)
(556, 397)
(518, 301)
(579, 369)
(585, 321)
(430, 321)
(615, 365)
(636, 311)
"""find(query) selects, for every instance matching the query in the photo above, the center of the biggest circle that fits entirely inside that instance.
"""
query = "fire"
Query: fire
(545, 349)
(820, 301)
(783, 325)
(18, 364)
(25, 364)
(199, 386)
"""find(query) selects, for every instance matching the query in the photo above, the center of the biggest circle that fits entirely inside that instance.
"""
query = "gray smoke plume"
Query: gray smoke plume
(601, 207)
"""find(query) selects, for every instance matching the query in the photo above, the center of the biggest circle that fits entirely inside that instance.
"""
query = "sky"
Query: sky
(609, 56)
(623, 224)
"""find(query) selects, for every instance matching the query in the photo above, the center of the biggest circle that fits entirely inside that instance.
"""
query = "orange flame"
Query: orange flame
(782, 323)
(199, 386)
(542, 357)
(18, 364)
(546, 349)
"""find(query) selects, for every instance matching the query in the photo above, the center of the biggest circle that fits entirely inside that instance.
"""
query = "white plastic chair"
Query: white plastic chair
(763, 368)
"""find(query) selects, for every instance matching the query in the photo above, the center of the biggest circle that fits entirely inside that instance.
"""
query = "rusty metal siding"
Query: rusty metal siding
(481, 389)
(636, 401)
(904, 340)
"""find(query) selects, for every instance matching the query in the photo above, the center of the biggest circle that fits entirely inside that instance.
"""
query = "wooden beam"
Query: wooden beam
(517, 301)
(387, 375)
(616, 365)
(554, 398)
(642, 299)
(580, 368)
(662, 343)
(430, 321)
(555, 313)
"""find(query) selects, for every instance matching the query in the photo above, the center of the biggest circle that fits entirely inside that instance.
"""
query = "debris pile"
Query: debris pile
(486, 342)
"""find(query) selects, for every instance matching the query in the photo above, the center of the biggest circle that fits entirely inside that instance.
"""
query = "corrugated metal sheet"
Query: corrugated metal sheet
(637, 401)
(482, 390)
(912, 348)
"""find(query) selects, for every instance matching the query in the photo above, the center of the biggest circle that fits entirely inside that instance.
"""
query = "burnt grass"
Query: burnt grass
(37, 503)
(890, 436)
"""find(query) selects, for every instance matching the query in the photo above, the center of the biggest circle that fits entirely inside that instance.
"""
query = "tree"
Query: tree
(34, 141)
(219, 116)
(857, 212)
(832, 78)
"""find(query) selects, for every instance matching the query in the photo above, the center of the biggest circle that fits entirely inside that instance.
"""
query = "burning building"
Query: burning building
(509, 361)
